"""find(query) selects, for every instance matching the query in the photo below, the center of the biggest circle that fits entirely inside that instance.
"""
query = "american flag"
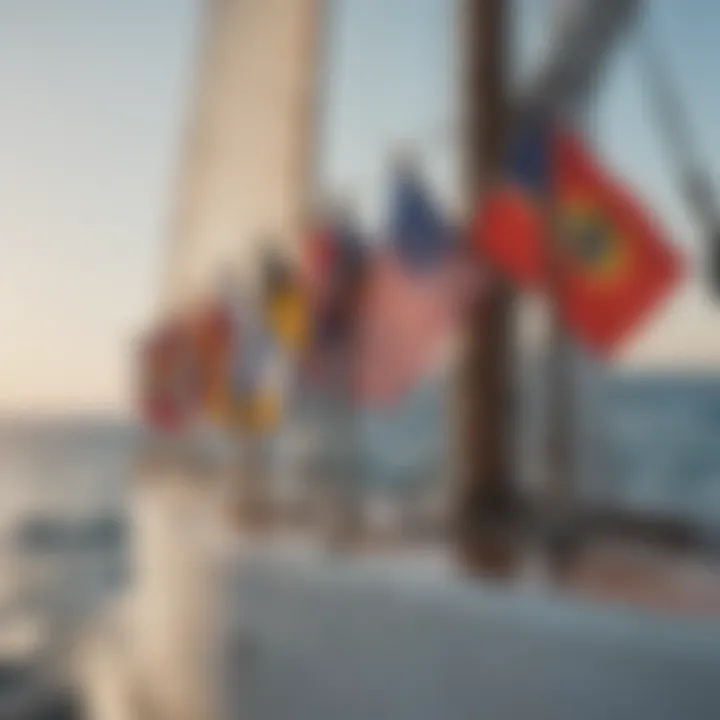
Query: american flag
(407, 324)
(415, 294)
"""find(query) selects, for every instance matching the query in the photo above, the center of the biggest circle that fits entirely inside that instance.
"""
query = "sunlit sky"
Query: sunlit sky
(94, 97)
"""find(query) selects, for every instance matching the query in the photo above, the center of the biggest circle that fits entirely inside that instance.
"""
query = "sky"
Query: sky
(95, 99)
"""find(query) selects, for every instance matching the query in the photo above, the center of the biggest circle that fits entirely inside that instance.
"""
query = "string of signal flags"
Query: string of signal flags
(390, 309)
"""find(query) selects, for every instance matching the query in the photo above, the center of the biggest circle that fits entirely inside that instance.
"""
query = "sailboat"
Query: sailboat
(223, 623)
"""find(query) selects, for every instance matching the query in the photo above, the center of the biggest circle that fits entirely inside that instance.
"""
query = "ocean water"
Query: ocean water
(654, 443)
(63, 551)
(663, 444)
(64, 486)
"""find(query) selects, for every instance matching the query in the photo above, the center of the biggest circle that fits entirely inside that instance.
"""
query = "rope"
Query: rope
(693, 179)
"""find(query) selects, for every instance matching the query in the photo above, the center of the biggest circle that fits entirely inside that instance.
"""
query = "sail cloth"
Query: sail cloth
(615, 264)
(245, 176)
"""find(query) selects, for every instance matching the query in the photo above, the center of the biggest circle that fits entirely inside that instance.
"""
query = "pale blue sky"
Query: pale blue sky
(94, 94)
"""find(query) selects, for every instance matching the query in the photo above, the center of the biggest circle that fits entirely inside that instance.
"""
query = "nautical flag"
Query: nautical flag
(614, 265)
(288, 318)
(509, 228)
(255, 383)
(215, 343)
(403, 325)
(168, 388)
(316, 261)
(333, 250)
(413, 297)
(418, 231)
(334, 265)
(286, 306)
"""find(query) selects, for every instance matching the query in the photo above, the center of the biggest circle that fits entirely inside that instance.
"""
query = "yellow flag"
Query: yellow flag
(258, 413)
(288, 319)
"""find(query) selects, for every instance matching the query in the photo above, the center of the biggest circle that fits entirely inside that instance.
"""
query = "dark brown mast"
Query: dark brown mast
(486, 494)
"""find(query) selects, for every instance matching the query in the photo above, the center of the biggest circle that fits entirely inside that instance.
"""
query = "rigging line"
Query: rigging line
(693, 179)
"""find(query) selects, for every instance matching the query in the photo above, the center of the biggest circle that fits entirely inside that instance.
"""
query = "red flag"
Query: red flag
(316, 262)
(214, 345)
(615, 263)
(168, 394)
(508, 231)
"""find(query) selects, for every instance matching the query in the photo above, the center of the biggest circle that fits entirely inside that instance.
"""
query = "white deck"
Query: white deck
(283, 630)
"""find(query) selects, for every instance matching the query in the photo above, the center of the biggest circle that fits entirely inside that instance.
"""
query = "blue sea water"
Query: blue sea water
(663, 437)
(63, 550)
(655, 442)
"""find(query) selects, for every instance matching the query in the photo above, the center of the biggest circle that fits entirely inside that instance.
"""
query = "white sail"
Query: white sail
(245, 177)
(246, 170)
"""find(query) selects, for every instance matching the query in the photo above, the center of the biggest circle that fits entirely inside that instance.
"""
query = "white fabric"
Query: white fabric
(245, 172)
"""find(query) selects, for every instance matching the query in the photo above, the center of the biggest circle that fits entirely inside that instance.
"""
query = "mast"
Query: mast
(585, 34)
(486, 492)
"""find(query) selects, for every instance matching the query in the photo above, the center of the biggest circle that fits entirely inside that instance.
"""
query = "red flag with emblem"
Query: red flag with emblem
(615, 262)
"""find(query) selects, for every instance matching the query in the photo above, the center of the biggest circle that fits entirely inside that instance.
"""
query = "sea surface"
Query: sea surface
(64, 487)
(63, 551)
(653, 442)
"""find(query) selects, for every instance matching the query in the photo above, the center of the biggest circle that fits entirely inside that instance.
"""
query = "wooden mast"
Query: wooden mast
(487, 497)
(486, 493)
